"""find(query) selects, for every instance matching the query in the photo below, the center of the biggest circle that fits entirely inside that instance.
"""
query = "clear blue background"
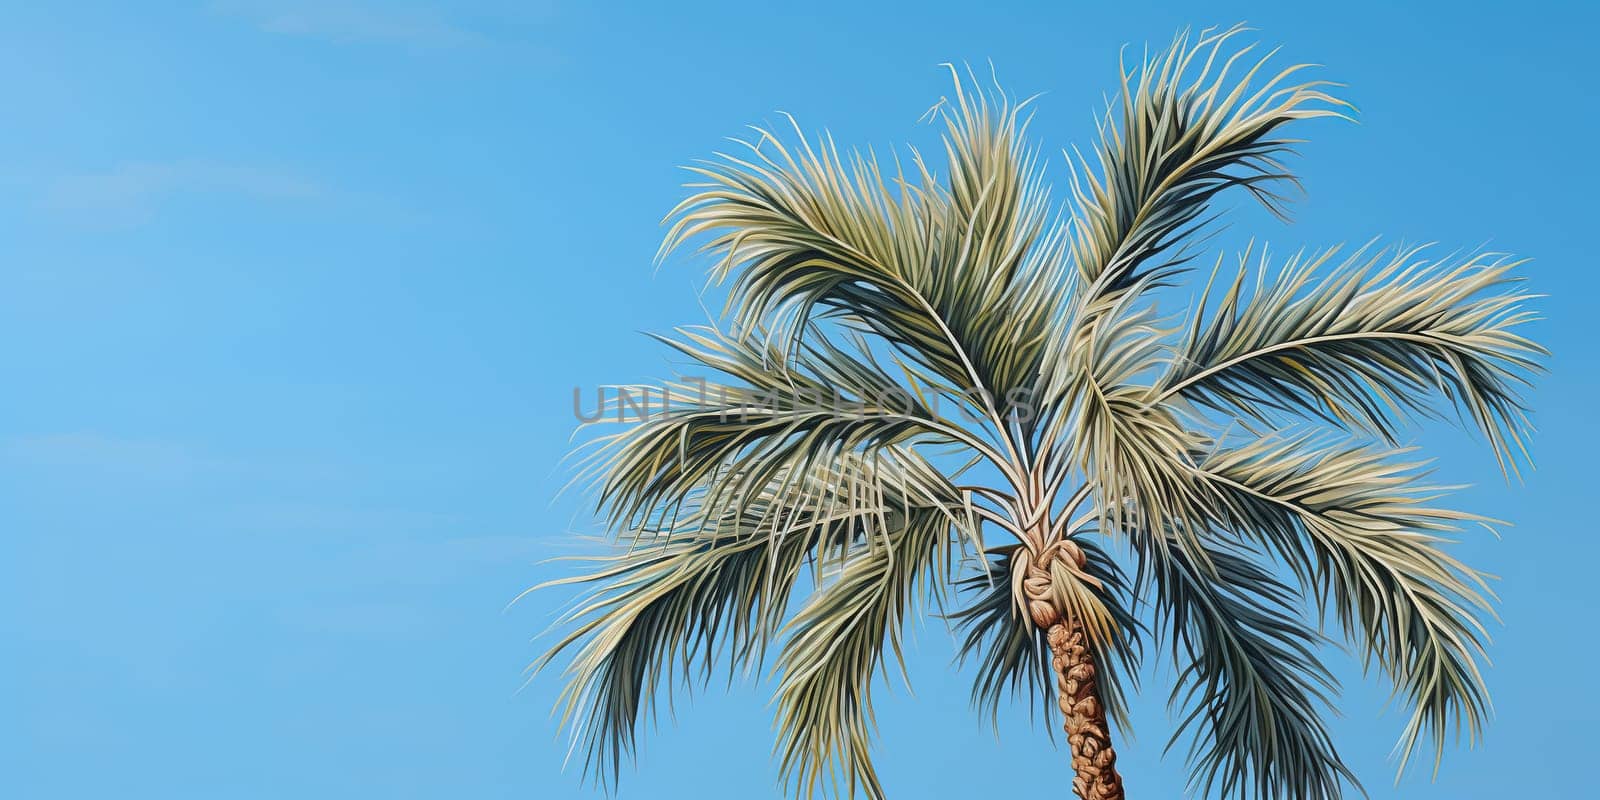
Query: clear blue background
(293, 296)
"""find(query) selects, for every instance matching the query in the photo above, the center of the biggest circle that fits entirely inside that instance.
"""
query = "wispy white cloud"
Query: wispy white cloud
(351, 21)
(132, 192)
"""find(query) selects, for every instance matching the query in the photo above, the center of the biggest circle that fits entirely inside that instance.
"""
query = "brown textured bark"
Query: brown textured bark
(1094, 760)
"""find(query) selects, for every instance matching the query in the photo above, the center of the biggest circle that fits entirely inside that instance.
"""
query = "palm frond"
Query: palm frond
(1004, 280)
(1356, 525)
(1137, 458)
(798, 227)
(836, 649)
(730, 441)
(1250, 682)
(718, 585)
(1182, 131)
(1011, 656)
(963, 277)
(1375, 338)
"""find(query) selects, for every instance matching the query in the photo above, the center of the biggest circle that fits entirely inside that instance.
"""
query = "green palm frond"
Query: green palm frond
(719, 585)
(731, 440)
(1356, 524)
(1002, 285)
(836, 650)
(1182, 130)
(1250, 681)
(965, 277)
(1137, 458)
(1180, 134)
(1368, 341)
(799, 228)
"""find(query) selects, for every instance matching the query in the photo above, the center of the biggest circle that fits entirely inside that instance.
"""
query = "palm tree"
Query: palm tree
(910, 366)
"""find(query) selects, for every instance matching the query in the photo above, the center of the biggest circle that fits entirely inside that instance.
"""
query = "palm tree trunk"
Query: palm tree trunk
(1094, 760)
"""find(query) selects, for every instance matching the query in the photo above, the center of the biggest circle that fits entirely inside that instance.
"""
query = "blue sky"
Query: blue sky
(294, 296)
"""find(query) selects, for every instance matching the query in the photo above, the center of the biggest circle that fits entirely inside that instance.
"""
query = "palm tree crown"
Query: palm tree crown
(913, 365)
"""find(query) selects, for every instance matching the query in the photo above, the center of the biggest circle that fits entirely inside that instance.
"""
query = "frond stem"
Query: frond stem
(1281, 346)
